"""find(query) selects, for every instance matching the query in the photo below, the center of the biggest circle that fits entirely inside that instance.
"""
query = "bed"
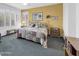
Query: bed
(35, 32)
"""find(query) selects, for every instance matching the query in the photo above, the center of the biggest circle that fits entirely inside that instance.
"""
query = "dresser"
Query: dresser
(71, 46)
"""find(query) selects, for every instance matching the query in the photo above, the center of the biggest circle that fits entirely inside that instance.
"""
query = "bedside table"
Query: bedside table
(54, 32)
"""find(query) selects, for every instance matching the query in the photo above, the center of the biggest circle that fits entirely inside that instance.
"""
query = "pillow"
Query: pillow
(33, 25)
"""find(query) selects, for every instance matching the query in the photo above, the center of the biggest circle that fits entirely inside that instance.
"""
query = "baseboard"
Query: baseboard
(7, 34)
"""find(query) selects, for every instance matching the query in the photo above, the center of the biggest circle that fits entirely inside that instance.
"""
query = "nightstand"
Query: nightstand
(54, 32)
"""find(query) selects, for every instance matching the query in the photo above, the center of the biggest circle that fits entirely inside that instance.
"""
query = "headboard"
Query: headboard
(39, 24)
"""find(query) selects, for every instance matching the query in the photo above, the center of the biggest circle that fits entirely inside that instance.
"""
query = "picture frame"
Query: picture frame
(37, 16)
(55, 17)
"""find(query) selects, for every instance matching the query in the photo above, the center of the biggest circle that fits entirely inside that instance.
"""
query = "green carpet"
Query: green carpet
(11, 46)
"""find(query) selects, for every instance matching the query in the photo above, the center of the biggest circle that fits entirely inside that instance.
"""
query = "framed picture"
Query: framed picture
(37, 16)
(55, 17)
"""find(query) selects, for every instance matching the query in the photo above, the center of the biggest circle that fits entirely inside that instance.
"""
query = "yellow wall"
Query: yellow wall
(52, 10)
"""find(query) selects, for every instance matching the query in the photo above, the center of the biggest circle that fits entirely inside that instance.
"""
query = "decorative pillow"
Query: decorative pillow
(33, 25)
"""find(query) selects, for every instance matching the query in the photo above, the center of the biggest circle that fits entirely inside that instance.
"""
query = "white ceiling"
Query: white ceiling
(29, 5)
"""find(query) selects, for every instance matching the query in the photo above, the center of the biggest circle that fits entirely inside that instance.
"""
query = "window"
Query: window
(12, 19)
(1, 18)
(7, 19)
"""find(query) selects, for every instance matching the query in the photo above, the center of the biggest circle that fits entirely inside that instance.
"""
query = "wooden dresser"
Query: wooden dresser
(71, 46)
